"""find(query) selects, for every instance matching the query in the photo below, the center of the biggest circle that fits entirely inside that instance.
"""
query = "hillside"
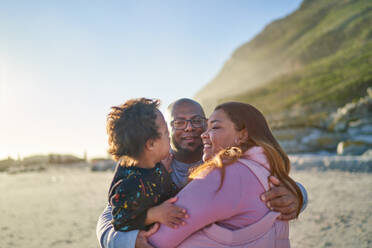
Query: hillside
(301, 68)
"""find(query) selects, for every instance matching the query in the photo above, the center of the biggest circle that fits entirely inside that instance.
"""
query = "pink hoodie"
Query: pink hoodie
(241, 218)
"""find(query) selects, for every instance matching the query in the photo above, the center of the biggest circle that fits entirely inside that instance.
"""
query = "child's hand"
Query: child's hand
(167, 162)
(168, 214)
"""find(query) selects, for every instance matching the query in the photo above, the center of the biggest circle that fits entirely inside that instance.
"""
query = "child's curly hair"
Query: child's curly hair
(130, 125)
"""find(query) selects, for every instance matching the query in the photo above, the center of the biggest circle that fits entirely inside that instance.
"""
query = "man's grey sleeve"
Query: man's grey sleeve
(304, 195)
(108, 237)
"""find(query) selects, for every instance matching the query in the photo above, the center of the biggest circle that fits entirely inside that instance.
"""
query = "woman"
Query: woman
(241, 153)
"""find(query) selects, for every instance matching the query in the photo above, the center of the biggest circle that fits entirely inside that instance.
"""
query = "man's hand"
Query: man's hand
(281, 199)
(167, 213)
(141, 241)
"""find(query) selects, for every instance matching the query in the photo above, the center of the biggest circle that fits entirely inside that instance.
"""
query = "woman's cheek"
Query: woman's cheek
(215, 143)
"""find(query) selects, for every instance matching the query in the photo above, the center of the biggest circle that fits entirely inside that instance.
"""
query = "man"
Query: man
(187, 124)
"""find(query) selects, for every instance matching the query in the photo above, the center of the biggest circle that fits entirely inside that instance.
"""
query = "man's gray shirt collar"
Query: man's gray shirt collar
(180, 171)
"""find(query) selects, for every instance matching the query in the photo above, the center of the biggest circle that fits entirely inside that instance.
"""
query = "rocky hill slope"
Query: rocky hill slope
(302, 68)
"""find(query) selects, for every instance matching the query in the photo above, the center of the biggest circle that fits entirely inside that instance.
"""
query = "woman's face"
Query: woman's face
(220, 134)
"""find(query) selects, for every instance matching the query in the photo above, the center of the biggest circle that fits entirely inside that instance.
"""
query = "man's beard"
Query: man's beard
(185, 150)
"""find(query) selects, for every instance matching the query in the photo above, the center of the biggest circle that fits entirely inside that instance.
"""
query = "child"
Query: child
(139, 140)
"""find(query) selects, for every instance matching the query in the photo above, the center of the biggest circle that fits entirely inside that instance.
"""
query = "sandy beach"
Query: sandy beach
(59, 208)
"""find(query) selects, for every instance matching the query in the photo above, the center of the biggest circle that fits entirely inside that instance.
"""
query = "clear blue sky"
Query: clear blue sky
(63, 64)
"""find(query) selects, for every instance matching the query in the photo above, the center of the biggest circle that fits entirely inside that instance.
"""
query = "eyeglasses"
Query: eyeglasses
(196, 122)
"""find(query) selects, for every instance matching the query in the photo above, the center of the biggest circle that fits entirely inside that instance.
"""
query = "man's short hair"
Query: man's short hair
(181, 102)
(130, 125)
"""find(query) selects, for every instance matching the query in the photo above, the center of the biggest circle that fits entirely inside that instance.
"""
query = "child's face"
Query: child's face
(162, 144)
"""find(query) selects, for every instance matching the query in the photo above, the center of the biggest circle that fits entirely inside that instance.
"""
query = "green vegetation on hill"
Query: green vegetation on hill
(302, 67)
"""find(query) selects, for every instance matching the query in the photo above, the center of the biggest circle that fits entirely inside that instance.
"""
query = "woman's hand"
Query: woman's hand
(167, 213)
(281, 199)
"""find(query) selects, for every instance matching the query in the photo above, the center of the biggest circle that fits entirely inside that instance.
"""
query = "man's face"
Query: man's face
(187, 138)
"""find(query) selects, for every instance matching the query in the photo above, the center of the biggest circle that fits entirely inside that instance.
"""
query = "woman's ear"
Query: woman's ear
(243, 136)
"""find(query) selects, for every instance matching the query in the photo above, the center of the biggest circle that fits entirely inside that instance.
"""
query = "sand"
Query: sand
(59, 208)
(339, 213)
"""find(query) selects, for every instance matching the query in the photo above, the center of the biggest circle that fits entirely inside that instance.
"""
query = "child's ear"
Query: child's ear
(149, 145)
